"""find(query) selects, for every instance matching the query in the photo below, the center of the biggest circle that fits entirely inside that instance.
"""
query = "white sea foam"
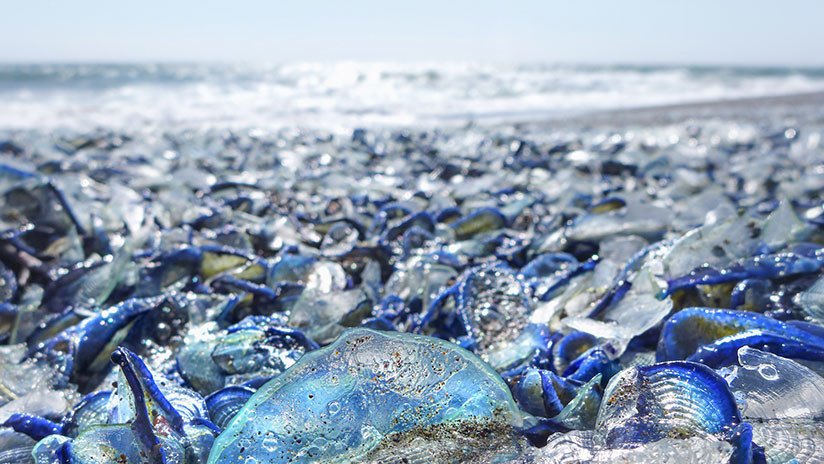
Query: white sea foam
(344, 95)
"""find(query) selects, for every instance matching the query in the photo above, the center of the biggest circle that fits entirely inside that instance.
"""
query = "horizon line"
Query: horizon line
(273, 63)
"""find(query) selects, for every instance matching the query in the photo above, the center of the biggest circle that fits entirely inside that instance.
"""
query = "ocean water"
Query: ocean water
(346, 95)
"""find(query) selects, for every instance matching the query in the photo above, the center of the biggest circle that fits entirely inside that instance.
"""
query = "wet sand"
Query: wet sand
(795, 108)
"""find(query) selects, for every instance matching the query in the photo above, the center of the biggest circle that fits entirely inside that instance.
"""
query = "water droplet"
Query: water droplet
(768, 371)
(270, 444)
(333, 407)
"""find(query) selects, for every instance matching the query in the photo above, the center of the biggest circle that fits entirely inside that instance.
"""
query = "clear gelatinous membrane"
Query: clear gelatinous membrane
(773, 387)
(339, 403)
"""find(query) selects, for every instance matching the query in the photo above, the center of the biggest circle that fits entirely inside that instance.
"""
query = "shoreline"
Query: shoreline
(805, 106)
(795, 108)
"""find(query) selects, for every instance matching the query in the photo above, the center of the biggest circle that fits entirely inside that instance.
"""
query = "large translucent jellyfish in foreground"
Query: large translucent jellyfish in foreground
(366, 393)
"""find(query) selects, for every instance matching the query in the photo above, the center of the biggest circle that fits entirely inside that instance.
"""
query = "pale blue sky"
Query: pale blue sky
(628, 31)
